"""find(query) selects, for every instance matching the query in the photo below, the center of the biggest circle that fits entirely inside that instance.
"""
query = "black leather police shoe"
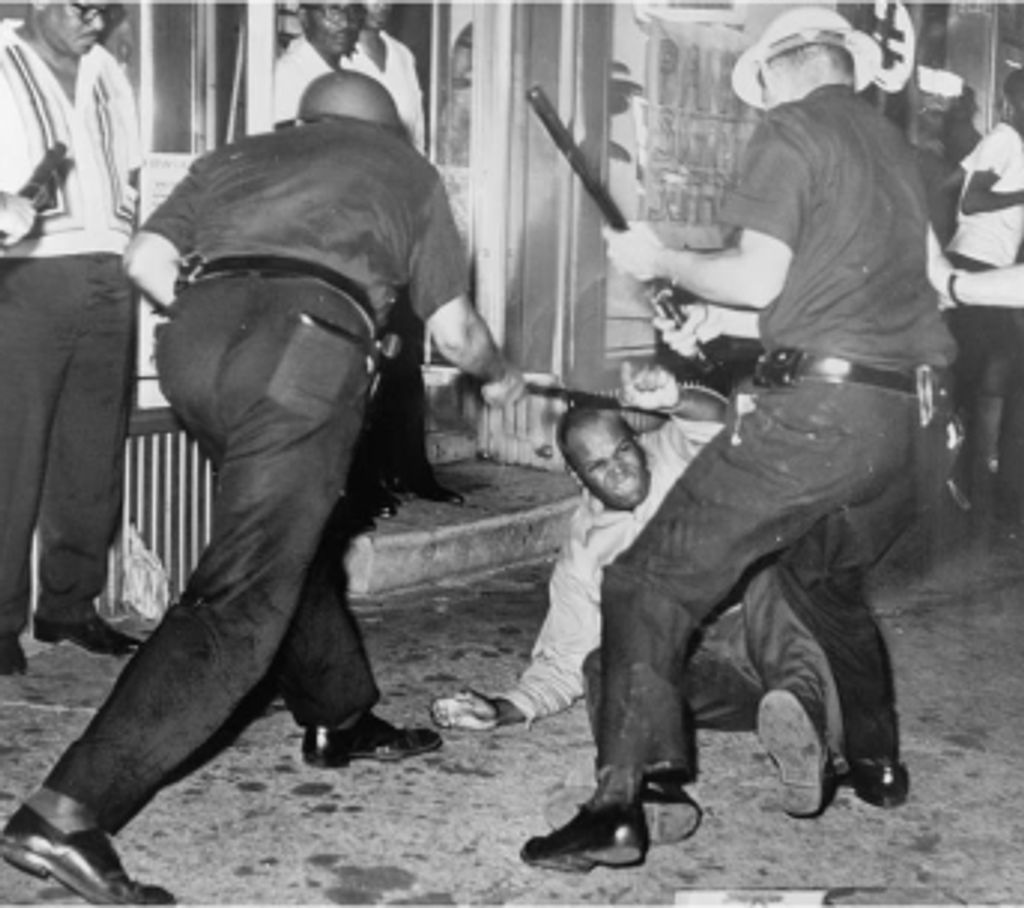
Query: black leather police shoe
(615, 836)
(671, 814)
(93, 635)
(385, 505)
(371, 738)
(881, 783)
(798, 752)
(12, 656)
(435, 492)
(83, 861)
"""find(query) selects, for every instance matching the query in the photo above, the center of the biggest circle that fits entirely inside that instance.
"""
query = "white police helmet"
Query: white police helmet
(799, 27)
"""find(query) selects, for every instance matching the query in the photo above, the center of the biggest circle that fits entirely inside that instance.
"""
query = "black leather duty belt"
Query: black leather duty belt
(783, 368)
(280, 266)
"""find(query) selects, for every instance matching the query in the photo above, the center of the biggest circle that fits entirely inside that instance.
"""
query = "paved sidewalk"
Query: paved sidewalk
(257, 826)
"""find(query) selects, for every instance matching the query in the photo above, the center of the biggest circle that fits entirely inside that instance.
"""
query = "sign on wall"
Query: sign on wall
(696, 127)
(894, 32)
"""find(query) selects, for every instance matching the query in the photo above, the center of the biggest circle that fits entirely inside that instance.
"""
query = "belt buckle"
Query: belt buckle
(779, 368)
(189, 270)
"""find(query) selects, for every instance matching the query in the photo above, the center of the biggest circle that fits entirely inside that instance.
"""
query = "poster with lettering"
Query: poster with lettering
(696, 128)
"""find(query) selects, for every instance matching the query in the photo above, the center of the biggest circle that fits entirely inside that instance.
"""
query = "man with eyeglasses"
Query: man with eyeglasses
(330, 32)
(90, 13)
(817, 463)
(66, 323)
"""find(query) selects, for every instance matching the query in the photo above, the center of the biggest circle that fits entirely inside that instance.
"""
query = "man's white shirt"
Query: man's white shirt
(597, 535)
(96, 205)
(994, 236)
(300, 64)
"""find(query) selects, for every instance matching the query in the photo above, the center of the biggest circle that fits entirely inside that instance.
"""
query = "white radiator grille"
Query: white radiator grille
(169, 484)
(168, 499)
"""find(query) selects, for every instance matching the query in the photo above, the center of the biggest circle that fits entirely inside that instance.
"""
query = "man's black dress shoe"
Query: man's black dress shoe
(12, 656)
(671, 814)
(385, 505)
(882, 783)
(93, 634)
(371, 738)
(435, 492)
(83, 861)
(428, 488)
(615, 836)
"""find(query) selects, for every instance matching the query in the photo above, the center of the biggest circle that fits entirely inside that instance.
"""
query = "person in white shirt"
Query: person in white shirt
(990, 229)
(330, 32)
(990, 226)
(349, 36)
(383, 57)
(757, 666)
(66, 322)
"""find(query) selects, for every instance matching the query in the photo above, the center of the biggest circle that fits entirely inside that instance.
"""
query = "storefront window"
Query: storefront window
(678, 133)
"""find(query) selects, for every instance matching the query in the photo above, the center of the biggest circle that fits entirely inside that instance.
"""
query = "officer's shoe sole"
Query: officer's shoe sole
(796, 748)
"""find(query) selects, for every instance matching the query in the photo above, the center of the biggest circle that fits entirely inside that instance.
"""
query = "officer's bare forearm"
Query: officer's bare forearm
(749, 274)
(463, 338)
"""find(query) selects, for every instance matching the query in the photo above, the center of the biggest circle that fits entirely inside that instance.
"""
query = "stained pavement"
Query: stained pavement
(254, 825)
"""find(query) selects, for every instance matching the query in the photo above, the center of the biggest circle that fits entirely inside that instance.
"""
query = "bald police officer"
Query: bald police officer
(301, 238)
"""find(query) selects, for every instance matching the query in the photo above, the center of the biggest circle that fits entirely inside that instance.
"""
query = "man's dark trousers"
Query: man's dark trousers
(66, 355)
(814, 468)
(743, 653)
(277, 403)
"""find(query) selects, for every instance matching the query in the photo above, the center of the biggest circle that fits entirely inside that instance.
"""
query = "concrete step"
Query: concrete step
(511, 515)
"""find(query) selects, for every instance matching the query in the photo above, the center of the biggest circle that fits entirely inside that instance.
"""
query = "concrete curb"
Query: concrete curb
(388, 563)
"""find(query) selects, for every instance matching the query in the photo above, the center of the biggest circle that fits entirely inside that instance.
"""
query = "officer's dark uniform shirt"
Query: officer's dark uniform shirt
(344, 194)
(838, 184)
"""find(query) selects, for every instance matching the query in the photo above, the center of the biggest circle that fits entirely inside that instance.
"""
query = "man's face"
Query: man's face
(377, 14)
(70, 29)
(332, 28)
(611, 464)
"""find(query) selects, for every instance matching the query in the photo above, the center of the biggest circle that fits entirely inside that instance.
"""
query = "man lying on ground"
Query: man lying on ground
(756, 665)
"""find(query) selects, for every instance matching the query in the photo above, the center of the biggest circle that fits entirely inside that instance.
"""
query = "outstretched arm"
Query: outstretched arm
(463, 337)
(553, 680)
(749, 274)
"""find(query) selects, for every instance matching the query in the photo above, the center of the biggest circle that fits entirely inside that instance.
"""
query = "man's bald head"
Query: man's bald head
(348, 94)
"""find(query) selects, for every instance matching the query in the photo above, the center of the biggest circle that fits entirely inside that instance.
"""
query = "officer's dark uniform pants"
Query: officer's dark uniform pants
(823, 473)
(743, 653)
(276, 402)
(66, 356)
